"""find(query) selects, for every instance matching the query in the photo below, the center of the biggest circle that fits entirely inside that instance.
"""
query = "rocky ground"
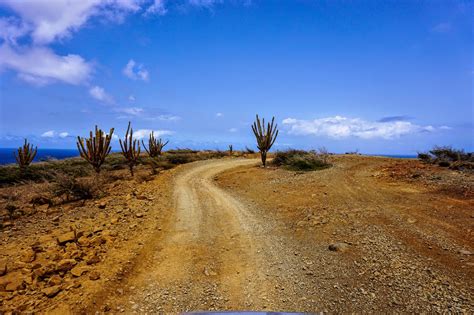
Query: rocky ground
(59, 257)
(366, 235)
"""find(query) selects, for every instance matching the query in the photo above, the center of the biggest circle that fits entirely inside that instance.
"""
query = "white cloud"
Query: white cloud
(11, 29)
(144, 133)
(48, 134)
(41, 65)
(233, 130)
(99, 94)
(219, 114)
(54, 134)
(50, 20)
(135, 71)
(133, 111)
(131, 98)
(168, 117)
(343, 127)
(204, 3)
(158, 7)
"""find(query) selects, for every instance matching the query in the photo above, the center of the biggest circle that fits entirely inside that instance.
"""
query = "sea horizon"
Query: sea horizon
(7, 155)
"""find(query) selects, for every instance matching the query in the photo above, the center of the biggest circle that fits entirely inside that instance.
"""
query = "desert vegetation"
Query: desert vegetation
(300, 160)
(265, 136)
(95, 149)
(446, 156)
(25, 155)
(155, 146)
(130, 148)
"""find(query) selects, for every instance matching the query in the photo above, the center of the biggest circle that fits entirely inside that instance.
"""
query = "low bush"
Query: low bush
(445, 156)
(74, 189)
(181, 158)
(299, 160)
(181, 151)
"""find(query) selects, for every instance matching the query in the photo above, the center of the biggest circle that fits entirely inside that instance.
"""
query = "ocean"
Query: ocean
(7, 157)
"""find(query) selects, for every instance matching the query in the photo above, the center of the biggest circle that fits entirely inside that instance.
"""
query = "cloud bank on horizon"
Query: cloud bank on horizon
(55, 51)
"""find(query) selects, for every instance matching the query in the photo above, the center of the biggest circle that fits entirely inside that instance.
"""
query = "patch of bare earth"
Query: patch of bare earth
(228, 235)
(406, 241)
(61, 258)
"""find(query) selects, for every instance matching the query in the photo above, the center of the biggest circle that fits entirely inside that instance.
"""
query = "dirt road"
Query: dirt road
(261, 243)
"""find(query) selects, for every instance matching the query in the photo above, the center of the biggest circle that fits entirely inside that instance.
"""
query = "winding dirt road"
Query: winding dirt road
(232, 249)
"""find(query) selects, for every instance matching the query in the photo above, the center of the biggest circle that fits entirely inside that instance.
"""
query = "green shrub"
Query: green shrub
(445, 155)
(181, 158)
(299, 160)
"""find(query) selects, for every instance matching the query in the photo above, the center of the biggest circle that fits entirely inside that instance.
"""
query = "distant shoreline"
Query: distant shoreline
(6, 155)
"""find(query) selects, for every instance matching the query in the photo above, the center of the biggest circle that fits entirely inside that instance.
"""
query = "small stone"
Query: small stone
(339, 247)
(79, 270)
(55, 219)
(94, 275)
(3, 268)
(465, 252)
(29, 256)
(102, 205)
(139, 215)
(93, 260)
(51, 291)
(55, 280)
(83, 241)
(66, 264)
(66, 238)
(209, 272)
(16, 284)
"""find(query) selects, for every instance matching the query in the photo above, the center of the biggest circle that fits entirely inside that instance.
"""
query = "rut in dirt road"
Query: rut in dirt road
(212, 257)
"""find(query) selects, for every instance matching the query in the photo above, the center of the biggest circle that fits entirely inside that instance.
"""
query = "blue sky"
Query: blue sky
(378, 76)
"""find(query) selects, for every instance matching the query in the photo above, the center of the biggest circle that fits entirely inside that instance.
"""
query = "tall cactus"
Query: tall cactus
(130, 148)
(25, 155)
(155, 146)
(231, 149)
(265, 136)
(96, 148)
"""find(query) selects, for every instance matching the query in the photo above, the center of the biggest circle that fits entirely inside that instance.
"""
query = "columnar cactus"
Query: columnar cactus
(95, 149)
(265, 137)
(155, 146)
(25, 155)
(130, 148)
(231, 149)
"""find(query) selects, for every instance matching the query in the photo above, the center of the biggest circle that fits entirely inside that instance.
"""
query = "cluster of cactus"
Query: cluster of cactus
(95, 149)
(25, 155)
(130, 148)
(265, 136)
(155, 146)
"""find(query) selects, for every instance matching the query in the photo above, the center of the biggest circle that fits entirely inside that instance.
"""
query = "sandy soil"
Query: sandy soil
(229, 235)
(247, 238)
